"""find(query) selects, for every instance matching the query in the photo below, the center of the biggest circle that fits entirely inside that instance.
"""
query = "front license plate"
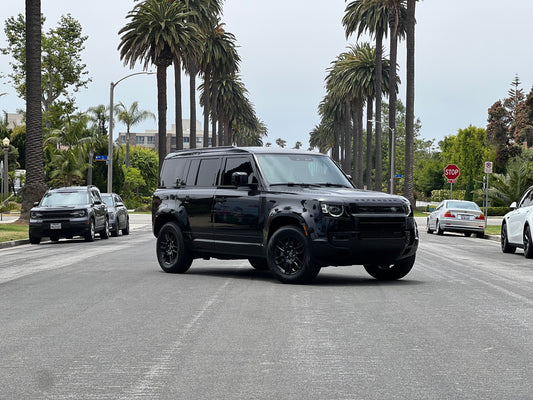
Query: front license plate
(55, 226)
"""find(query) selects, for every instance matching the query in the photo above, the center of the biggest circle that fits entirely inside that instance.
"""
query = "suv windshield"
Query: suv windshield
(64, 199)
(306, 169)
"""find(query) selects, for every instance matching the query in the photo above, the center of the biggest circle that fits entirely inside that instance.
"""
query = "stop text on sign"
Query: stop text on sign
(451, 171)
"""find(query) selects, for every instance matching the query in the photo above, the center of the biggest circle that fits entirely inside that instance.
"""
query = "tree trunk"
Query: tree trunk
(378, 185)
(162, 113)
(90, 169)
(207, 106)
(35, 187)
(346, 164)
(128, 139)
(392, 102)
(410, 104)
(369, 116)
(192, 97)
(178, 106)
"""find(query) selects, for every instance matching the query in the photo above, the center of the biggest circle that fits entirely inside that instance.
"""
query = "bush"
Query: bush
(497, 211)
(442, 194)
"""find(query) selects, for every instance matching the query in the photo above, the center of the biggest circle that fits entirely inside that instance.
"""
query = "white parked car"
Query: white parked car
(517, 225)
(457, 216)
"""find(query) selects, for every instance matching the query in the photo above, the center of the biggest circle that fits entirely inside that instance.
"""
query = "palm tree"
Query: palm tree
(99, 115)
(410, 104)
(131, 117)
(203, 14)
(35, 186)
(156, 33)
(370, 16)
(219, 57)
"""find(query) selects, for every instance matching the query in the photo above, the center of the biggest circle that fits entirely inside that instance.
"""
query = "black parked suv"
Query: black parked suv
(68, 212)
(291, 212)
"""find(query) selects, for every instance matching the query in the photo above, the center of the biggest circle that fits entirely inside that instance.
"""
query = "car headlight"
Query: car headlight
(35, 215)
(335, 210)
(78, 213)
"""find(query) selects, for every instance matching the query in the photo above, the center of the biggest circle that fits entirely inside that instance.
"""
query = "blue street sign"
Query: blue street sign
(100, 158)
(397, 176)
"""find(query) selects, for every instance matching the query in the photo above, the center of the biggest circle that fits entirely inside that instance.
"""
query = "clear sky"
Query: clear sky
(467, 54)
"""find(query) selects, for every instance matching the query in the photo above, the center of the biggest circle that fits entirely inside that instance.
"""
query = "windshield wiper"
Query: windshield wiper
(295, 184)
(332, 185)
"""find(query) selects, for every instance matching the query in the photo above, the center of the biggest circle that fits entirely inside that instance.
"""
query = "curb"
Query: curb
(4, 245)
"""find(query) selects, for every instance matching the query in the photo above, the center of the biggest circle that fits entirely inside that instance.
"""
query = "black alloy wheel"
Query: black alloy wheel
(289, 256)
(528, 245)
(90, 235)
(172, 254)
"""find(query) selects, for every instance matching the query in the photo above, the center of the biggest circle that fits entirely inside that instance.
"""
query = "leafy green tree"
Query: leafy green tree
(145, 160)
(155, 34)
(63, 72)
(469, 152)
(133, 181)
(130, 117)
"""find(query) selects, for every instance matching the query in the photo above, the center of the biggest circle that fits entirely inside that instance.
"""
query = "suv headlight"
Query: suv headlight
(78, 213)
(335, 210)
(36, 215)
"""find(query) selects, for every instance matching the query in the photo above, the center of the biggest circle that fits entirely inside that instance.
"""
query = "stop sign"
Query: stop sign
(451, 172)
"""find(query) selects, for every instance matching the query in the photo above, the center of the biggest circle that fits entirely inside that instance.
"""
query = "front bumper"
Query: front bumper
(62, 228)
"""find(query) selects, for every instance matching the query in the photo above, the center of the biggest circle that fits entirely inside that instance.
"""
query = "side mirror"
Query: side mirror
(239, 179)
(35, 204)
(513, 206)
(97, 202)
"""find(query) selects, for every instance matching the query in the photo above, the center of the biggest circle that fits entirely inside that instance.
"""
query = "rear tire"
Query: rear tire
(391, 272)
(54, 238)
(429, 230)
(468, 234)
(114, 232)
(289, 256)
(126, 230)
(172, 255)
(105, 232)
(439, 229)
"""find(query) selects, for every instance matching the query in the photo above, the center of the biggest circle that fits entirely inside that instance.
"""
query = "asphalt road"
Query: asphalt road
(101, 321)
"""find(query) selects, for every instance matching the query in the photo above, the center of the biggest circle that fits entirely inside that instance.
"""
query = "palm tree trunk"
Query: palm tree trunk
(162, 113)
(35, 186)
(128, 138)
(378, 185)
(90, 169)
(410, 104)
(346, 165)
(192, 96)
(178, 105)
(369, 116)
(207, 106)
(392, 101)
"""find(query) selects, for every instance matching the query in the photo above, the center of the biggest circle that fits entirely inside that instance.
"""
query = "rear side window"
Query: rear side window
(174, 172)
(208, 172)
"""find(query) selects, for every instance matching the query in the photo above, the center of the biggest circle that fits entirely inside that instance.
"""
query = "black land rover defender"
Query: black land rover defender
(288, 211)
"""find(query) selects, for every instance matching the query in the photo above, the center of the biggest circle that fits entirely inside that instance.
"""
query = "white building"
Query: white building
(149, 137)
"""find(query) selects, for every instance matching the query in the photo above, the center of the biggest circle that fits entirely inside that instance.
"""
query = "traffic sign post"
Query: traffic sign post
(451, 172)
(488, 170)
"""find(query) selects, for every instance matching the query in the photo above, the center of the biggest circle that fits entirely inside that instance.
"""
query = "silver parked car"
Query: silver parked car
(457, 216)
(517, 226)
(119, 219)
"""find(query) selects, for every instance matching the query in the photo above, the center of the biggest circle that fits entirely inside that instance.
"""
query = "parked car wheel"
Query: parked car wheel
(506, 247)
(261, 264)
(440, 231)
(528, 245)
(105, 232)
(429, 230)
(114, 231)
(391, 272)
(468, 234)
(289, 256)
(171, 251)
(126, 230)
(54, 238)
(89, 236)
(35, 239)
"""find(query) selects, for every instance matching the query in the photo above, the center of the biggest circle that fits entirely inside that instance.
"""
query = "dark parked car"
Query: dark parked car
(68, 212)
(292, 212)
(119, 219)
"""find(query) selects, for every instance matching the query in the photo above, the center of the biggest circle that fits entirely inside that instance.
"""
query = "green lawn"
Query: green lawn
(10, 232)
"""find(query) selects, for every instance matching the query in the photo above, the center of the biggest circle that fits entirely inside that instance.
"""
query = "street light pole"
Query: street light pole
(110, 147)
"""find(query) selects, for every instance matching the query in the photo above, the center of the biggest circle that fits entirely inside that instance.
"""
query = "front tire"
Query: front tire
(506, 247)
(391, 272)
(90, 235)
(35, 239)
(172, 255)
(114, 232)
(126, 230)
(528, 245)
(289, 256)
(105, 232)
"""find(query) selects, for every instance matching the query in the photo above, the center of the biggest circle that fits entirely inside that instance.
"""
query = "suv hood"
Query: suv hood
(336, 194)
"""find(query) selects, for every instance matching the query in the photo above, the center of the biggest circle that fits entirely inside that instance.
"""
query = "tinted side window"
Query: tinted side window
(208, 172)
(236, 164)
(174, 172)
(193, 172)
(527, 199)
